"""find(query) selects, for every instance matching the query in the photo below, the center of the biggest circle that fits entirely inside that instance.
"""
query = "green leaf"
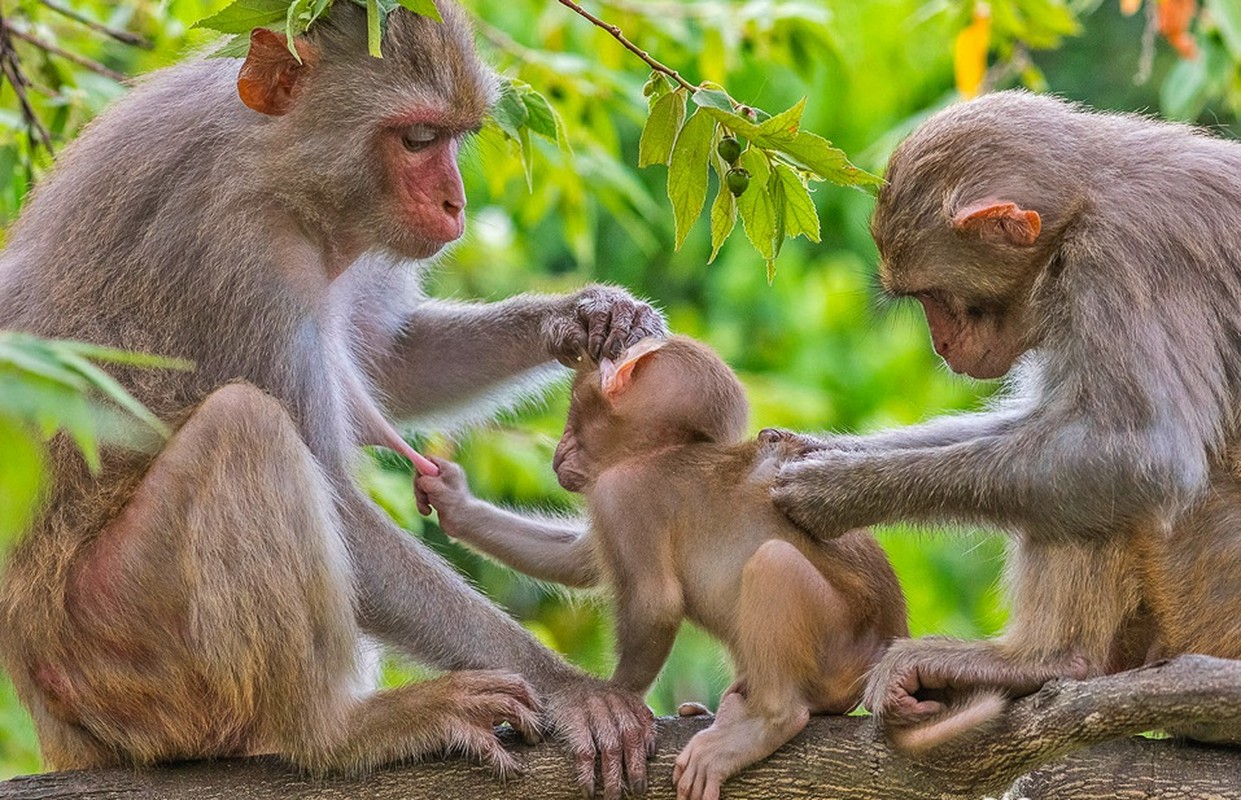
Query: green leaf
(114, 391)
(243, 16)
(800, 216)
(424, 7)
(830, 163)
(510, 112)
(687, 172)
(657, 86)
(374, 28)
(21, 472)
(661, 129)
(756, 206)
(723, 219)
(714, 98)
(785, 124)
(540, 117)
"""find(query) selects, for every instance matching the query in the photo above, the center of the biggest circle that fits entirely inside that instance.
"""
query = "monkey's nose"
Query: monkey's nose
(454, 207)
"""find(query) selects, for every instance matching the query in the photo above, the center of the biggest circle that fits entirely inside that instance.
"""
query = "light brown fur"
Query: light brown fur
(681, 526)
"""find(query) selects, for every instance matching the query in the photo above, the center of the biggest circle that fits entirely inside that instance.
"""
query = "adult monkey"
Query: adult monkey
(209, 601)
(1105, 250)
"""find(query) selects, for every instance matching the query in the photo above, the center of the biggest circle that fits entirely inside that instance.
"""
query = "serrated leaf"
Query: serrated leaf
(785, 124)
(656, 86)
(425, 8)
(687, 172)
(374, 29)
(800, 216)
(527, 157)
(661, 129)
(510, 113)
(539, 115)
(243, 16)
(758, 215)
(828, 162)
(723, 219)
(776, 189)
(295, 24)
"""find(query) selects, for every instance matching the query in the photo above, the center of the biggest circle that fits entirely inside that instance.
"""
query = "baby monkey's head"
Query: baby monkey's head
(659, 393)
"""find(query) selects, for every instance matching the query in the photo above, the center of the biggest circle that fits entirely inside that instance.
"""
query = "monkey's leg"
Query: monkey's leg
(1076, 612)
(793, 657)
(216, 617)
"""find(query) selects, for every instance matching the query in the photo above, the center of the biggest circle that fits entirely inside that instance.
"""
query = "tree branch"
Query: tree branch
(81, 61)
(630, 46)
(10, 66)
(98, 27)
(1047, 743)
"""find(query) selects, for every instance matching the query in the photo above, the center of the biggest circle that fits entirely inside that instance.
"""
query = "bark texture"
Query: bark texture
(1071, 740)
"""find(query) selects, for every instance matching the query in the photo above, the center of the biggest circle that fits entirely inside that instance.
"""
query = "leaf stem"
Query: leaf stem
(630, 46)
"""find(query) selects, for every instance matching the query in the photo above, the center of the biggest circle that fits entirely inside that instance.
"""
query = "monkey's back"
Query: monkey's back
(722, 514)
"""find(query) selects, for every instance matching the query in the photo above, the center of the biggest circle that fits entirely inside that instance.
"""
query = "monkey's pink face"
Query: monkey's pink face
(970, 339)
(421, 159)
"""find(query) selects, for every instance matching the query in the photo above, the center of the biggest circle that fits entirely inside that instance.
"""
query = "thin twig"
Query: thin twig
(81, 61)
(121, 36)
(630, 46)
(11, 67)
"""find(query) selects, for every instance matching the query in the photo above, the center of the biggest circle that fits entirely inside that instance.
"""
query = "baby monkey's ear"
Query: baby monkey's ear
(616, 376)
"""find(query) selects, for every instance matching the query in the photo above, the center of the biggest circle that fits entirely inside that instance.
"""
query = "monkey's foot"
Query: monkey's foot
(918, 679)
(738, 737)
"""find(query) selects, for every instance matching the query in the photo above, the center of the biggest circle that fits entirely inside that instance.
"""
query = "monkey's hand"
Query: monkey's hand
(447, 493)
(800, 444)
(599, 322)
(463, 708)
(821, 493)
(597, 721)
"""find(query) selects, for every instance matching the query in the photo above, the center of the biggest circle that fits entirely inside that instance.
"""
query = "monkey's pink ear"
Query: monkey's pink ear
(268, 79)
(999, 220)
(616, 376)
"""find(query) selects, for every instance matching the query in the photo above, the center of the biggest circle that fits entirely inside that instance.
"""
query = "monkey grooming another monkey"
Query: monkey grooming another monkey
(1100, 256)
(264, 219)
(681, 526)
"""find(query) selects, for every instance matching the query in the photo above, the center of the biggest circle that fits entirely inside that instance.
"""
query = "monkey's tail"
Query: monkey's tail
(975, 711)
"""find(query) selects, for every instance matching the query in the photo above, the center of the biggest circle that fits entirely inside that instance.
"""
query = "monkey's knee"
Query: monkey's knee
(774, 562)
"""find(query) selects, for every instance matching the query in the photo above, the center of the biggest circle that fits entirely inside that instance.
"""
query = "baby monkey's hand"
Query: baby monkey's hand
(447, 493)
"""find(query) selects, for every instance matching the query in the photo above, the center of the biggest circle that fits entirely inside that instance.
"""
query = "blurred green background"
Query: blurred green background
(813, 348)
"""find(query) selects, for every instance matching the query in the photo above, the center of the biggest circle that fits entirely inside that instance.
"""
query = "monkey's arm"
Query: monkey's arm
(1058, 475)
(409, 597)
(938, 432)
(449, 354)
(548, 548)
(648, 616)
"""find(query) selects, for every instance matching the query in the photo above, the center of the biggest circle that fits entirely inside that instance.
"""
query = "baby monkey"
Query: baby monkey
(681, 525)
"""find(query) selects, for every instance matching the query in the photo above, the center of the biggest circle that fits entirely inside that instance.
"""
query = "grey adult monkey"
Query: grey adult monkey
(1102, 254)
(209, 599)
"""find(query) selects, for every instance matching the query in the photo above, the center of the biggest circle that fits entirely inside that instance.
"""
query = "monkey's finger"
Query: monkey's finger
(632, 729)
(608, 744)
(422, 499)
(580, 743)
(483, 744)
(597, 323)
(622, 330)
(521, 717)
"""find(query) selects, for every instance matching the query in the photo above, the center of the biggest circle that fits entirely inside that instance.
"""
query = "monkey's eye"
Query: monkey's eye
(419, 137)
(975, 312)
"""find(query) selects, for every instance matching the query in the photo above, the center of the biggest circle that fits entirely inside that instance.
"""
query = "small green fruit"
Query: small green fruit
(729, 149)
(738, 181)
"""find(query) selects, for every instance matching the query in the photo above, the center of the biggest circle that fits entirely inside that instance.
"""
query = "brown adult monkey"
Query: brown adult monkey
(209, 600)
(682, 526)
(1101, 255)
